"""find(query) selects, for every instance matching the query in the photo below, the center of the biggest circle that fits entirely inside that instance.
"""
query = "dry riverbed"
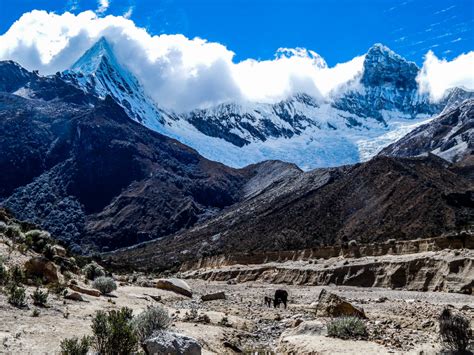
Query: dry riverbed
(398, 321)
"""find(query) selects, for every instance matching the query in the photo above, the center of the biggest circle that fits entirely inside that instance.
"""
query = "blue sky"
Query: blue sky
(337, 30)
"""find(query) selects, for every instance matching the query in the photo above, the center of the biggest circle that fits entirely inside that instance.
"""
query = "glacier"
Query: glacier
(354, 123)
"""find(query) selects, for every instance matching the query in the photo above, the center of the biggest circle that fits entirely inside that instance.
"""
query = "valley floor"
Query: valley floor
(398, 321)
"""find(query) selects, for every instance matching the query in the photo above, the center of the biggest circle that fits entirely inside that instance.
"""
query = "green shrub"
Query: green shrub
(39, 297)
(104, 284)
(114, 332)
(37, 239)
(74, 346)
(4, 275)
(347, 328)
(93, 270)
(3, 227)
(152, 319)
(455, 330)
(17, 275)
(14, 233)
(16, 295)
(35, 312)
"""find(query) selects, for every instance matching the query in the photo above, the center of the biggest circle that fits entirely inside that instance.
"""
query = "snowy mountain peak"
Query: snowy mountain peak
(93, 58)
(99, 72)
(382, 67)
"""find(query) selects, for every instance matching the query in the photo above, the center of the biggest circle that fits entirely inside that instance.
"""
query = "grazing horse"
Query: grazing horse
(268, 301)
(281, 296)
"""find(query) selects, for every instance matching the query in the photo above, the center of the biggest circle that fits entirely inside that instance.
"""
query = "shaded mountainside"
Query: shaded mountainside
(82, 169)
(385, 198)
(450, 135)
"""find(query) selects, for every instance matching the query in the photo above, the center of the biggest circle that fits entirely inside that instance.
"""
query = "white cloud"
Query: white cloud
(177, 72)
(439, 75)
(103, 5)
(129, 12)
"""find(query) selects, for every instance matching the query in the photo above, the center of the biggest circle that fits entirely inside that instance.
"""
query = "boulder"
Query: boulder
(59, 251)
(175, 285)
(41, 267)
(87, 291)
(75, 296)
(213, 296)
(332, 305)
(170, 343)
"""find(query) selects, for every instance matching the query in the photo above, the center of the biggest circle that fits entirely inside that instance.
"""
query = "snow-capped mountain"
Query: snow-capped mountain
(387, 86)
(450, 135)
(371, 111)
(98, 72)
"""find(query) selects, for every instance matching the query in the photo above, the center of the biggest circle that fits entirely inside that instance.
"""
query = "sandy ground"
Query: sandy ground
(406, 320)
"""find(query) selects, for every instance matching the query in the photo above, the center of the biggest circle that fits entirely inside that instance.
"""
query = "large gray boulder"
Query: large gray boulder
(170, 343)
(42, 268)
(175, 285)
(332, 305)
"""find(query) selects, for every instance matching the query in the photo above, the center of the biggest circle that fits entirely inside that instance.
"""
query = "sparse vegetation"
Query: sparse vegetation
(93, 270)
(114, 332)
(17, 275)
(75, 346)
(16, 295)
(104, 284)
(35, 312)
(153, 319)
(455, 330)
(225, 322)
(4, 275)
(347, 328)
(40, 298)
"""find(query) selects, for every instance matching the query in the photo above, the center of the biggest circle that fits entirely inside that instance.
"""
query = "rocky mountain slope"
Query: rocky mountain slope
(82, 169)
(385, 198)
(382, 101)
(450, 135)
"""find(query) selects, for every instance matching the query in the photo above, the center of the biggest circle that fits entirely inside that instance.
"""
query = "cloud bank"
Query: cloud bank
(182, 73)
(438, 75)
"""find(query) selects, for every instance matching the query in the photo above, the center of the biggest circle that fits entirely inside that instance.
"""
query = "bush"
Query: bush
(39, 297)
(347, 328)
(17, 275)
(37, 239)
(104, 284)
(4, 275)
(14, 233)
(153, 319)
(74, 346)
(93, 270)
(35, 313)
(16, 296)
(114, 332)
(455, 330)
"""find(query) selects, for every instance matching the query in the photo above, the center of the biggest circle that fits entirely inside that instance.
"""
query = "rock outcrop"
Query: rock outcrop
(450, 136)
(43, 269)
(451, 271)
(170, 343)
(332, 305)
(175, 285)
(213, 296)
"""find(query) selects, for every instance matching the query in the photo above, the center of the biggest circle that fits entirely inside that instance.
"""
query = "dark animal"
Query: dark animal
(268, 301)
(281, 296)
(455, 331)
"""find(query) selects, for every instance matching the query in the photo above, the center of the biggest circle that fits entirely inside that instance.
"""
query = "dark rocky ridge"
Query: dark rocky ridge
(81, 168)
(450, 135)
(385, 198)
